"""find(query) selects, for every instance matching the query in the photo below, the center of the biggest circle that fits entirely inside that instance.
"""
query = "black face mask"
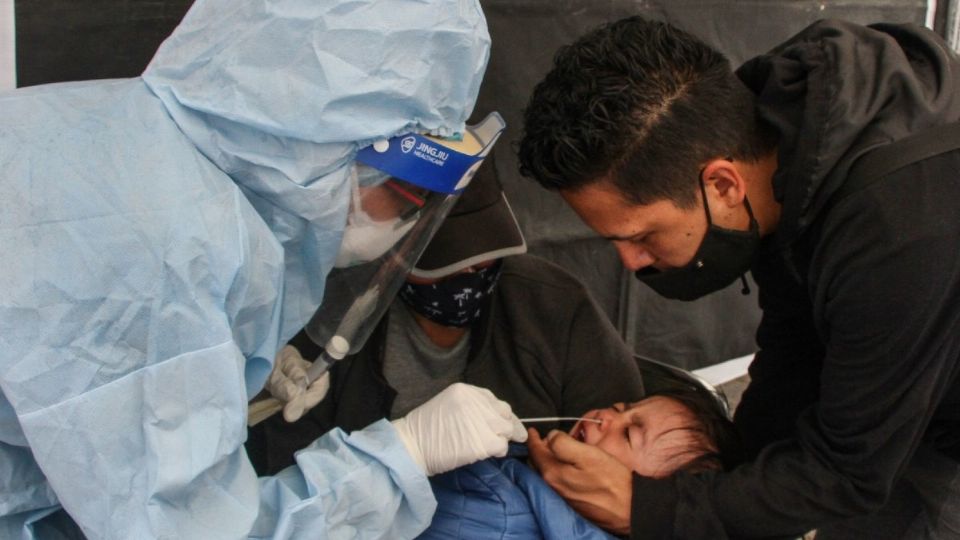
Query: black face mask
(723, 256)
(455, 301)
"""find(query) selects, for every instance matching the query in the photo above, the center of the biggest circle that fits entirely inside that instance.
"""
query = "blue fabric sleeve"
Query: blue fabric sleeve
(363, 485)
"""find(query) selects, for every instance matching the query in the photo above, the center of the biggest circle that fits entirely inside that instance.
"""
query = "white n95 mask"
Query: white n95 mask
(365, 242)
(366, 238)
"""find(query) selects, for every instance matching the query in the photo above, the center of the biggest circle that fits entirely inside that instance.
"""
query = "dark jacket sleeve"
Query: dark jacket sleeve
(884, 285)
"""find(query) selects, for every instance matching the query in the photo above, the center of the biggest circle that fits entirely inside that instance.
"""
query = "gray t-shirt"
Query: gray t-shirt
(414, 366)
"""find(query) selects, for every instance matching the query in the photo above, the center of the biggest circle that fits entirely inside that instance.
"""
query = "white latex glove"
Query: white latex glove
(288, 380)
(458, 426)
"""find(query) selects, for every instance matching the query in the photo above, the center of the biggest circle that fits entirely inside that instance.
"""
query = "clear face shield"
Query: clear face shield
(401, 190)
(383, 210)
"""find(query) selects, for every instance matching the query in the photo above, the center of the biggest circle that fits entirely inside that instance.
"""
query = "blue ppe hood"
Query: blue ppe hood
(441, 165)
(282, 95)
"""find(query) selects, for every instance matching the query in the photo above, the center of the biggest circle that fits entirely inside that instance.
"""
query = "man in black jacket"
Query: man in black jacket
(828, 168)
(475, 309)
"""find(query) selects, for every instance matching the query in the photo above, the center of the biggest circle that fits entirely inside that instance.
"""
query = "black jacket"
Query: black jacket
(860, 337)
(542, 345)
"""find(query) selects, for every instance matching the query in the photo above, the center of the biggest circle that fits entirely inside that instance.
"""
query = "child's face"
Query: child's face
(654, 436)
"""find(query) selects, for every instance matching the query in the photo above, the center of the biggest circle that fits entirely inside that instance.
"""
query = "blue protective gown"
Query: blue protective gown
(163, 234)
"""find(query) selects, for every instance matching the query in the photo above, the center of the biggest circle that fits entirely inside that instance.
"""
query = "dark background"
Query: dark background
(64, 40)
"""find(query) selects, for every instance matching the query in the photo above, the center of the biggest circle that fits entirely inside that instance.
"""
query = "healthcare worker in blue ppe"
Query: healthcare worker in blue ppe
(164, 234)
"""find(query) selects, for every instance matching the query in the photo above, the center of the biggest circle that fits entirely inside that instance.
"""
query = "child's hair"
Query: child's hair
(719, 445)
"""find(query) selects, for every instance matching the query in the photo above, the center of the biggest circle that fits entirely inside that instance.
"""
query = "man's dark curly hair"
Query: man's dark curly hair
(640, 103)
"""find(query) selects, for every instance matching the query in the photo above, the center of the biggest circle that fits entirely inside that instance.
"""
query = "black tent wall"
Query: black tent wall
(62, 40)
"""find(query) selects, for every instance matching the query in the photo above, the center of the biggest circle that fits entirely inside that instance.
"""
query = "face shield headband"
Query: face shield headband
(723, 256)
(431, 163)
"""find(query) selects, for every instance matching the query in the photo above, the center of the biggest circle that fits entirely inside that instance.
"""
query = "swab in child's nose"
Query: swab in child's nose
(558, 419)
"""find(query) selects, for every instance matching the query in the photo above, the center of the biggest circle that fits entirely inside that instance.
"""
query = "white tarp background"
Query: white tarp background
(8, 74)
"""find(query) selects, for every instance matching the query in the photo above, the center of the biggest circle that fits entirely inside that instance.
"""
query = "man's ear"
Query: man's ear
(724, 183)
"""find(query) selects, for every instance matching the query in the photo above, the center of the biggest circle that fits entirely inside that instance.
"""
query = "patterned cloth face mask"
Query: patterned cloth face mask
(454, 301)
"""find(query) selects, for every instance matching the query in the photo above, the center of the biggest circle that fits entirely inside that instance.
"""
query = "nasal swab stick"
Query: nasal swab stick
(558, 419)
